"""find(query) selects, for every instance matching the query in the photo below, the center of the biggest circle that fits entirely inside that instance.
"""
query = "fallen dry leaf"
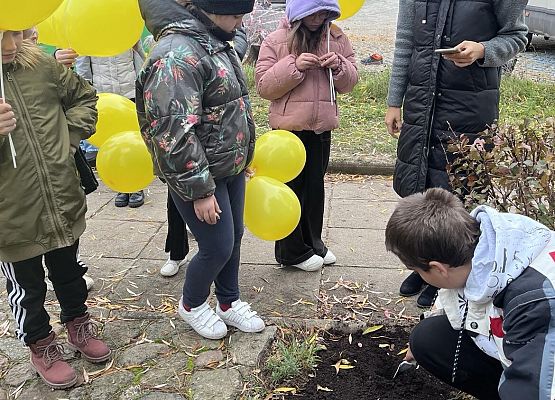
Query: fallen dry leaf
(372, 329)
(323, 389)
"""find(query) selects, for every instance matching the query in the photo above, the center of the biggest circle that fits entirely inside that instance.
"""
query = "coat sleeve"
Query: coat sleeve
(511, 36)
(240, 43)
(529, 343)
(346, 77)
(275, 78)
(172, 95)
(83, 68)
(79, 102)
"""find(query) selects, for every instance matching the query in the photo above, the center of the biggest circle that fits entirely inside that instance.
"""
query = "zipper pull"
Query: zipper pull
(9, 76)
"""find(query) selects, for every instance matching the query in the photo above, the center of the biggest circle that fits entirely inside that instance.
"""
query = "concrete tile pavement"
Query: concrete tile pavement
(136, 306)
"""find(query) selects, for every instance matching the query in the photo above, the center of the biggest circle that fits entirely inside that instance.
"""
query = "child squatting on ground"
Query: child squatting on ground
(195, 116)
(48, 110)
(300, 68)
(491, 333)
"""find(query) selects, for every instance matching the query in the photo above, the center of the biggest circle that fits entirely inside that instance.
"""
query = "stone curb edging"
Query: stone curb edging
(359, 167)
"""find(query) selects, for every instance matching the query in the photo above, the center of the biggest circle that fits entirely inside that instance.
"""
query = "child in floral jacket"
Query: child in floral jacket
(196, 120)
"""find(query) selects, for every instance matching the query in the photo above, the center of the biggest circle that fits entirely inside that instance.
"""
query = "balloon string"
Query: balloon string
(3, 94)
(332, 86)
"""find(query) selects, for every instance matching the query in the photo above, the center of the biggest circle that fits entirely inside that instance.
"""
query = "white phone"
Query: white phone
(452, 50)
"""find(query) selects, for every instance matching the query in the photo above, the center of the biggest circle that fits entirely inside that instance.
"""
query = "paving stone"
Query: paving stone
(246, 348)
(19, 373)
(80, 393)
(279, 292)
(360, 214)
(120, 333)
(153, 210)
(209, 358)
(13, 349)
(110, 386)
(37, 390)
(257, 251)
(142, 354)
(3, 395)
(380, 285)
(131, 393)
(371, 190)
(169, 371)
(98, 200)
(361, 248)
(162, 396)
(218, 384)
(112, 238)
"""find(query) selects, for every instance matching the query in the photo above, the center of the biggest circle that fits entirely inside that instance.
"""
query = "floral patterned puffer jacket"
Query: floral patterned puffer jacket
(193, 107)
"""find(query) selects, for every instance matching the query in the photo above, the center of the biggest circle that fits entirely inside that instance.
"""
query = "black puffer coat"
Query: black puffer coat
(443, 100)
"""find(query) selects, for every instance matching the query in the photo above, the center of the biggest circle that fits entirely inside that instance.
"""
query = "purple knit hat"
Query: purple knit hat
(298, 9)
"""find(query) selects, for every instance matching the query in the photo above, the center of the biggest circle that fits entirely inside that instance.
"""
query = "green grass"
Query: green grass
(362, 133)
(290, 359)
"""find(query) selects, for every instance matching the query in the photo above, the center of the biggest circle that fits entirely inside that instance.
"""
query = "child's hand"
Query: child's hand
(66, 57)
(330, 60)
(393, 121)
(207, 210)
(7, 119)
(469, 53)
(307, 61)
(408, 356)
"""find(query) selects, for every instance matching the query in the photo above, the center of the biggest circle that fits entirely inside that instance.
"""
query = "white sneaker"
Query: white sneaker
(242, 317)
(314, 263)
(171, 267)
(88, 281)
(203, 320)
(329, 258)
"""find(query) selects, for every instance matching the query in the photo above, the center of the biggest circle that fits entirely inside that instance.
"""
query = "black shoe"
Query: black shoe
(136, 199)
(412, 285)
(122, 200)
(427, 297)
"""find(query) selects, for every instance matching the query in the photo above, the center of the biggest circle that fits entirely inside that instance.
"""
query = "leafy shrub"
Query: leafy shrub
(517, 174)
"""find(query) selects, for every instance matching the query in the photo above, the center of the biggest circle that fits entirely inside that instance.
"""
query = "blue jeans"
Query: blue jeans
(219, 245)
(88, 147)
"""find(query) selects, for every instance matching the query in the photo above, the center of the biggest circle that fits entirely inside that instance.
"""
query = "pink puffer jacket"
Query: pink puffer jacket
(301, 100)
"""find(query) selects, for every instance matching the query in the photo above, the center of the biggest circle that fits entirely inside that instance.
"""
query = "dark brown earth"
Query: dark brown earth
(374, 367)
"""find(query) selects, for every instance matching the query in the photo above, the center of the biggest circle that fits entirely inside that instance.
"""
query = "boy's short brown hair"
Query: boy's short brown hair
(432, 226)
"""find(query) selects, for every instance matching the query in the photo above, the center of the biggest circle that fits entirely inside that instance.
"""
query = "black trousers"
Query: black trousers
(306, 239)
(27, 290)
(177, 243)
(433, 342)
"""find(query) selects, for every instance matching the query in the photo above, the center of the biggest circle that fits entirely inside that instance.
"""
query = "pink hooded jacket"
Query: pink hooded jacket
(302, 100)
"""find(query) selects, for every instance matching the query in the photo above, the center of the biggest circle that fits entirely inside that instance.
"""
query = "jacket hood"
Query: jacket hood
(298, 9)
(508, 244)
(160, 13)
(162, 16)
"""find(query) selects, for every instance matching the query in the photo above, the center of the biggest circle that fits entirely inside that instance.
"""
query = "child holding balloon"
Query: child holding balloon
(192, 102)
(47, 109)
(300, 68)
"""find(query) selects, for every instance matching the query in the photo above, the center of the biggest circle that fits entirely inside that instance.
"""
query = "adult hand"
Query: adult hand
(330, 60)
(307, 61)
(249, 172)
(207, 210)
(66, 57)
(469, 53)
(393, 121)
(7, 119)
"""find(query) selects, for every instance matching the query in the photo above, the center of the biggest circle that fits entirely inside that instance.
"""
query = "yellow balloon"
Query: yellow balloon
(349, 8)
(103, 28)
(17, 15)
(52, 32)
(272, 210)
(124, 163)
(280, 155)
(115, 114)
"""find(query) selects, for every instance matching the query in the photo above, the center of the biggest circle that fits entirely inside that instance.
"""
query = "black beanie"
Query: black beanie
(225, 7)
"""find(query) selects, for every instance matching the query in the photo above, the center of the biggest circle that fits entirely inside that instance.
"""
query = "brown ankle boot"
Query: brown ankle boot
(46, 358)
(82, 336)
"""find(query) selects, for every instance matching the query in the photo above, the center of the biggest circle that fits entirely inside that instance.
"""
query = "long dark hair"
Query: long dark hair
(301, 40)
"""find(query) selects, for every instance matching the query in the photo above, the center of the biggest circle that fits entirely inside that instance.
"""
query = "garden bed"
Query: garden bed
(362, 367)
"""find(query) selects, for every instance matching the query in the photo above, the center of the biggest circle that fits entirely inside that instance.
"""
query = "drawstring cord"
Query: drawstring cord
(332, 85)
(459, 342)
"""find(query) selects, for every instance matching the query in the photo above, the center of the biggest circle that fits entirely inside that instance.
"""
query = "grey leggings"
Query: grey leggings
(219, 245)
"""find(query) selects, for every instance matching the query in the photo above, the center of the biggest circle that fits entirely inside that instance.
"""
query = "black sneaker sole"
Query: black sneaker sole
(411, 294)
(136, 205)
